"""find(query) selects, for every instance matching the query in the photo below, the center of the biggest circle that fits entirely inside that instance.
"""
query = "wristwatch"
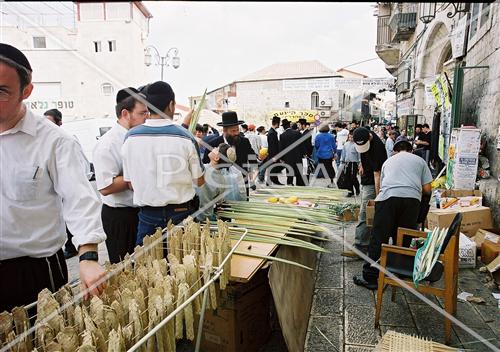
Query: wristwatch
(91, 255)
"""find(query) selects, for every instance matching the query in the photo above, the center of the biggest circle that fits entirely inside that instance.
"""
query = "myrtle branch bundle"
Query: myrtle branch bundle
(142, 291)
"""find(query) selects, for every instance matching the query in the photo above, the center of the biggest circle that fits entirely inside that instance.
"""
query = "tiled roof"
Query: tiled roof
(298, 69)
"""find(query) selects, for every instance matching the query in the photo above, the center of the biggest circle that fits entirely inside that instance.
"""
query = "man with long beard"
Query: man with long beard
(231, 135)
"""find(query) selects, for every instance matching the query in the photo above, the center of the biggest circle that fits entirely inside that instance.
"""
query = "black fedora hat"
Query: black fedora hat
(230, 118)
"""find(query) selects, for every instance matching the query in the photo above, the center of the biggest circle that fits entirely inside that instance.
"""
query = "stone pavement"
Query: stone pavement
(342, 314)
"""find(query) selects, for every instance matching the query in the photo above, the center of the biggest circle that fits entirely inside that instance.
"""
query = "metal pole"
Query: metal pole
(202, 318)
(162, 65)
(456, 99)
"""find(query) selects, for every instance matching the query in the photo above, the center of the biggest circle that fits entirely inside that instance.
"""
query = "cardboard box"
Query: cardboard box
(241, 320)
(492, 235)
(489, 251)
(349, 215)
(472, 219)
(466, 252)
(457, 193)
(370, 212)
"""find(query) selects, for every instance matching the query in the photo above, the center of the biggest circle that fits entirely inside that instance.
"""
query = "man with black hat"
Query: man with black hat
(245, 155)
(161, 161)
(373, 155)
(273, 148)
(119, 214)
(303, 129)
(403, 201)
(292, 157)
(42, 186)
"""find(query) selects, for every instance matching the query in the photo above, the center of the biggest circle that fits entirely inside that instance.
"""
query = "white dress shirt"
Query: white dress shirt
(108, 164)
(161, 161)
(263, 140)
(43, 187)
(342, 137)
(254, 140)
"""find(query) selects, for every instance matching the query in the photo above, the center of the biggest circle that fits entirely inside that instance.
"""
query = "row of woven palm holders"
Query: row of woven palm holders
(152, 299)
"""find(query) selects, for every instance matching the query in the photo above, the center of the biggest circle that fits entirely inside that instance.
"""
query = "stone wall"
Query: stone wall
(257, 99)
(481, 101)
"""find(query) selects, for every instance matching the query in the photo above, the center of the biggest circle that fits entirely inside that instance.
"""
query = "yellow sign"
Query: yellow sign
(295, 115)
(435, 91)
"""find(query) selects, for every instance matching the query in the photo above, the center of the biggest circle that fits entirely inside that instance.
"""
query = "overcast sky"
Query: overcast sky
(221, 42)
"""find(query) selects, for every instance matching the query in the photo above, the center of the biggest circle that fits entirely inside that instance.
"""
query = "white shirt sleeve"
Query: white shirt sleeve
(105, 167)
(195, 165)
(124, 152)
(80, 203)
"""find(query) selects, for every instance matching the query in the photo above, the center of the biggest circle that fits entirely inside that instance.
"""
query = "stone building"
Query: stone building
(448, 50)
(81, 53)
(303, 86)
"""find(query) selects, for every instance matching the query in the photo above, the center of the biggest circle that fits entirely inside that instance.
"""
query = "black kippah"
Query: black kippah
(125, 93)
(15, 55)
(160, 94)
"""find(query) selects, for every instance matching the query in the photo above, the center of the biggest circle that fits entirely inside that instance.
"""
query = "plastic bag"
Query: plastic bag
(234, 184)
(428, 254)
(343, 181)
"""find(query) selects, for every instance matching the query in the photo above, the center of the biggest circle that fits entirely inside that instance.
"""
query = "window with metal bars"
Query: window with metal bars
(39, 43)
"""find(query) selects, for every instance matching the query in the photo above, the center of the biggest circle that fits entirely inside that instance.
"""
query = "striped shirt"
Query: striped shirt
(161, 160)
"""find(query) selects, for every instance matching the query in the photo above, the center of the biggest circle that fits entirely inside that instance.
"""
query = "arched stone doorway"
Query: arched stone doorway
(433, 53)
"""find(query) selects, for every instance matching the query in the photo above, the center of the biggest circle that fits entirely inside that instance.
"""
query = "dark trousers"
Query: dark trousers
(351, 170)
(295, 172)
(152, 217)
(120, 225)
(23, 278)
(69, 246)
(328, 163)
(389, 215)
(273, 170)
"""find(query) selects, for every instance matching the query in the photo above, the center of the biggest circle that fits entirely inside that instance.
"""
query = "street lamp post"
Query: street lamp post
(162, 60)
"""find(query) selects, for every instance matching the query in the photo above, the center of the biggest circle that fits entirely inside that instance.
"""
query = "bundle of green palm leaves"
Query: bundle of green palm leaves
(282, 224)
(318, 195)
(196, 114)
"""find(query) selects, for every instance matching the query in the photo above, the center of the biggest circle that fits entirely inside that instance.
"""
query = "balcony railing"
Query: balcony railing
(403, 22)
(384, 33)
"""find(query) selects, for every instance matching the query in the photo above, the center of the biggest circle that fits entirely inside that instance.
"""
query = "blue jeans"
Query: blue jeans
(151, 218)
(339, 154)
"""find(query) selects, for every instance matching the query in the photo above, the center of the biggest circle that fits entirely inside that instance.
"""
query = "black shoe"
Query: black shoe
(70, 253)
(350, 194)
(358, 280)
(270, 184)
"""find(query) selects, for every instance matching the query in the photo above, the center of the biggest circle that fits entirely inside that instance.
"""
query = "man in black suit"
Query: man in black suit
(273, 148)
(292, 157)
(304, 129)
(231, 135)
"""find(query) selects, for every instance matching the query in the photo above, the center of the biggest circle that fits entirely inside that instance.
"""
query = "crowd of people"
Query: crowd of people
(149, 171)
